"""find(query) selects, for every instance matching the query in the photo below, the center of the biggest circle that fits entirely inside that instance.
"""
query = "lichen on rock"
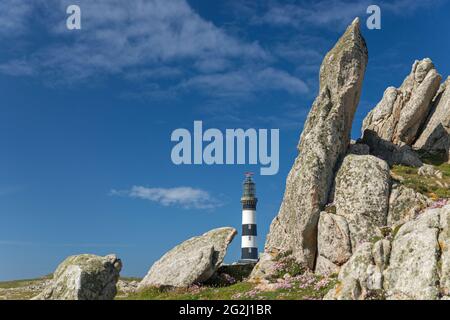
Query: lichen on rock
(193, 261)
(84, 277)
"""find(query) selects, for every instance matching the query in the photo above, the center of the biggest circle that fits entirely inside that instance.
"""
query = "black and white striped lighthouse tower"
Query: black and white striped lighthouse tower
(249, 233)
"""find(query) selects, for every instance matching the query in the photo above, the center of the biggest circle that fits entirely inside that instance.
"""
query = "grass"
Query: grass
(205, 293)
(22, 283)
(290, 282)
(303, 286)
(18, 289)
(297, 290)
(129, 279)
(428, 186)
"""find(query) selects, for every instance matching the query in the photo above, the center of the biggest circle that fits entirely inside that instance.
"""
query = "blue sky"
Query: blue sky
(86, 116)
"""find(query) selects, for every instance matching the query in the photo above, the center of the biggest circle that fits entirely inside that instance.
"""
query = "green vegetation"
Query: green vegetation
(298, 288)
(21, 289)
(291, 281)
(192, 293)
(286, 264)
(22, 283)
(433, 187)
(129, 279)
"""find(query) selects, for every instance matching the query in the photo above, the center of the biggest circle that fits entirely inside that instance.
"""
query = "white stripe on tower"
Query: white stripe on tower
(249, 242)
(248, 216)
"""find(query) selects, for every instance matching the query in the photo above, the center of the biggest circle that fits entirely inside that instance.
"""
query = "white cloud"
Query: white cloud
(185, 197)
(237, 83)
(13, 17)
(152, 40)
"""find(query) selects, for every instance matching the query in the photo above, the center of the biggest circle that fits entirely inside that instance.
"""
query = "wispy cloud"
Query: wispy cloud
(13, 17)
(185, 197)
(327, 13)
(164, 42)
(237, 82)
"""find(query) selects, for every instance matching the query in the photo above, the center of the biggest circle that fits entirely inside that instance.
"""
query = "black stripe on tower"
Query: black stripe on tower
(249, 230)
(249, 205)
(249, 253)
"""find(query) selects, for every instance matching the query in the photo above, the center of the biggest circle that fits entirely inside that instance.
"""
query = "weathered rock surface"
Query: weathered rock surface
(413, 271)
(127, 287)
(444, 245)
(333, 243)
(381, 253)
(415, 265)
(428, 170)
(435, 135)
(362, 276)
(265, 267)
(402, 112)
(326, 267)
(354, 276)
(362, 196)
(404, 205)
(193, 261)
(84, 277)
(324, 141)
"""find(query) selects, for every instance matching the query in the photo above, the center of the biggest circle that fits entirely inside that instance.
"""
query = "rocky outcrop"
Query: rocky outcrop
(361, 204)
(404, 205)
(444, 246)
(415, 264)
(435, 135)
(428, 170)
(402, 112)
(413, 272)
(356, 276)
(193, 261)
(266, 266)
(84, 277)
(333, 243)
(341, 213)
(361, 196)
(324, 141)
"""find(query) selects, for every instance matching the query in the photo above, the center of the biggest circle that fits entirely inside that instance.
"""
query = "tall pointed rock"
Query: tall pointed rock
(324, 141)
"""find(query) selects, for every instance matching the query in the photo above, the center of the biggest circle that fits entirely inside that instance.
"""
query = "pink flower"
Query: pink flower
(439, 203)
(321, 284)
(236, 296)
(283, 285)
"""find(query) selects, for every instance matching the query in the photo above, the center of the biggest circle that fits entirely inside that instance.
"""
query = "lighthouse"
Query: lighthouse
(249, 246)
